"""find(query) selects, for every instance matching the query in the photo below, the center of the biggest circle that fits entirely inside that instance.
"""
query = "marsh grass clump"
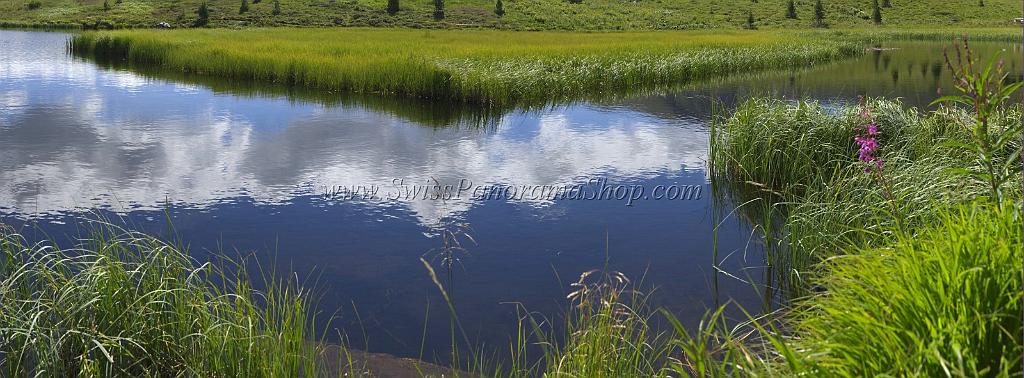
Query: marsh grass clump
(944, 302)
(126, 304)
(608, 331)
(894, 265)
(804, 155)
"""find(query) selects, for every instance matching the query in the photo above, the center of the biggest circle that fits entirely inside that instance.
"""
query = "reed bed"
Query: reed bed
(910, 270)
(802, 154)
(482, 67)
(125, 304)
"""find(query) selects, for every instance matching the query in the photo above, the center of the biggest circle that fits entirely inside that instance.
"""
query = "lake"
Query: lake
(349, 193)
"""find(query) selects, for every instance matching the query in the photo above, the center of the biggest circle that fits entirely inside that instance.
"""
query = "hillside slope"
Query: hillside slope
(519, 14)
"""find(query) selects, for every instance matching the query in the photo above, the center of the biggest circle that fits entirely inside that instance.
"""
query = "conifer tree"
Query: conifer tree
(876, 14)
(819, 14)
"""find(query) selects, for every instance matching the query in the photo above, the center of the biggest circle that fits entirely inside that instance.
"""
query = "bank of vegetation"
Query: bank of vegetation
(489, 68)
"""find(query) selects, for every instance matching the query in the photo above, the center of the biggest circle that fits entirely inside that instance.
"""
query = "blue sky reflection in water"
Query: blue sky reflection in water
(245, 174)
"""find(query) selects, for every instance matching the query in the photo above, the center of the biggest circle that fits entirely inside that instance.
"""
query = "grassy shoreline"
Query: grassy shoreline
(492, 69)
(489, 68)
(914, 270)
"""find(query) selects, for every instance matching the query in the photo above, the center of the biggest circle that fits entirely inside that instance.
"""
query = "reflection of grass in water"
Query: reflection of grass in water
(488, 68)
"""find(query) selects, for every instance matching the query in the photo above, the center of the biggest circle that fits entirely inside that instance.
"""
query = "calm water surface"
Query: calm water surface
(243, 173)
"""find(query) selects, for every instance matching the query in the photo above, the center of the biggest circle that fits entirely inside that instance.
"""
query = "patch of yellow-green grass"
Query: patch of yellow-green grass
(484, 67)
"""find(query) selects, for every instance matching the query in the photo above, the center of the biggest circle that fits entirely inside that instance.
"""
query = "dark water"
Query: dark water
(237, 171)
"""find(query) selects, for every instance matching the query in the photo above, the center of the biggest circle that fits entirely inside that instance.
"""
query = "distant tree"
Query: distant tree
(438, 9)
(750, 20)
(277, 8)
(256, 1)
(245, 7)
(886, 4)
(204, 15)
(106, 5)
(876, 13)
(819, 14)
(981, 3)
(392, 6)
(791, 9)
(499, 8)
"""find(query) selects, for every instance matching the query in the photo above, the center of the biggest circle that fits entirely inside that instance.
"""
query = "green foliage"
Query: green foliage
(490, 68)
(106, 5)
(876, 13)
(393, 6)
(946, 302)
(886, 4)
(203, 15)
(803, 155)
(819, 14)
(125, 304)
(34, 4)
(983, 88)
(925, 287)
(591, 15)
(499, 8)
(277, 8)
(438, 9)
(791, 9)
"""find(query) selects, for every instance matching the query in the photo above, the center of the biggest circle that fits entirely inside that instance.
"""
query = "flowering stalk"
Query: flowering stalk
(866, 138)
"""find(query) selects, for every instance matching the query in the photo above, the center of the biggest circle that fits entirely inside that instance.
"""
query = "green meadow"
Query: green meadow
(518, 14)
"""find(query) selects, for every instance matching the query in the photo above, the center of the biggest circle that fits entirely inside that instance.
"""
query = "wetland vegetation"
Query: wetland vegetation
(892, 232)
(483, 68)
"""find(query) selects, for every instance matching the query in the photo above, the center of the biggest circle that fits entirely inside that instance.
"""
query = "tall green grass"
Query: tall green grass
(915, 274)
(803, 155)
(125, 304)
(943, 302)
(489, 68)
